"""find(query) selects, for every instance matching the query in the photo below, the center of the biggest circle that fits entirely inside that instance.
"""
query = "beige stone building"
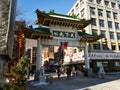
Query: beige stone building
(106, 21)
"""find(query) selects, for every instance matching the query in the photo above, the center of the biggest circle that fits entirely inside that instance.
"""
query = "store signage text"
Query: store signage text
(104, 56)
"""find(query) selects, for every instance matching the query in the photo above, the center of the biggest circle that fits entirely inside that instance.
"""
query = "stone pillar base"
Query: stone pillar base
(39, 78)
(88, 72)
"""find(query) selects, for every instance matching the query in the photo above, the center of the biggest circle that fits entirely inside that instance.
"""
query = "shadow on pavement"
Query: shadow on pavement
(75, 83)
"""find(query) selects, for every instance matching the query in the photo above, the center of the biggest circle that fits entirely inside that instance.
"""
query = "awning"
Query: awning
(113, 43)
(96, 42)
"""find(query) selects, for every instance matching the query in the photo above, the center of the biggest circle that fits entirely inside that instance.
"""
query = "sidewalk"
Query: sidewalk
(111, 82)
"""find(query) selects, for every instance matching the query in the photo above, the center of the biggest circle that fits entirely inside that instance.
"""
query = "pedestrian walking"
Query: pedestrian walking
(58, 72)
(68, 72)
(78, 71)
(73, 71)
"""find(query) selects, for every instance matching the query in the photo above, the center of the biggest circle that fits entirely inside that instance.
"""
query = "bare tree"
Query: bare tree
(20, 16)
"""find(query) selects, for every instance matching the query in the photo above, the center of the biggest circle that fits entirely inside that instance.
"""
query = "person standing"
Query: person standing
(58, 72)
(73, 71)
(68, 72)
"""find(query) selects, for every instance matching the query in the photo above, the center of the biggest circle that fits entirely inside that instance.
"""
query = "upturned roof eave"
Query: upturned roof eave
(41, 17)
(88, 37)
(34, 34)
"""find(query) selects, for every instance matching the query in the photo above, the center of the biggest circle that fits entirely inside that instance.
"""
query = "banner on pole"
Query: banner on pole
(64, 45)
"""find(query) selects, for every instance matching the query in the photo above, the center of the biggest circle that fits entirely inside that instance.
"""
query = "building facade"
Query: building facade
(105, 15)
(7, 18)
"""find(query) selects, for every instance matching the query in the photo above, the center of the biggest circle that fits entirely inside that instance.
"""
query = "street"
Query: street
(111, 82)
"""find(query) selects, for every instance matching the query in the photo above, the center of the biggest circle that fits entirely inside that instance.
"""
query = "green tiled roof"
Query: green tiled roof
(34, 33)
(89, 37)
(63, 15)
(83, 34)
(38, 30)
(46, 19)
(42, 30)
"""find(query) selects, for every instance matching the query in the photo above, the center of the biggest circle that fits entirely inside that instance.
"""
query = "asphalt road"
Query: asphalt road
(111, 82)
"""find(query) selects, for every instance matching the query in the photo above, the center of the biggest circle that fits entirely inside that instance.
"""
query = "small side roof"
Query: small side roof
(35, 33)
(89, 37)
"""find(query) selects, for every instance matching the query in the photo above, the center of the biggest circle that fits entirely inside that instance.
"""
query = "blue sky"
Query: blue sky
(27, 7)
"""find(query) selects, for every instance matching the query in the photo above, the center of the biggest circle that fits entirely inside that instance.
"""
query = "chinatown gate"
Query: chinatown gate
(56, 28)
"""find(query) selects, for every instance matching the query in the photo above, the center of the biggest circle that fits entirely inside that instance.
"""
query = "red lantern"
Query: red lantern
(20, 38)
(51, 38)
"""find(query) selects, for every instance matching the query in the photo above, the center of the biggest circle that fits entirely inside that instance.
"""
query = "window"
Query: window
(105, 63)
(101, 23)
(119, 45)
(94, 21)
(77, 7)
(111, 35)
(119, 6)
(91, 0)
(115, 15)
(117, 63)
(118, 36)
(113, 5)
(103, 33)
(105, 47)
(82, 13)
(108, 14)
(106, 3)
(109, 24)
(72, 11)
(113, 47)
(96, 46)
(81, 2)
(116, 25)
(92, 10)
(94, 32)
(98, 1)
(78, 15)
(100, 12)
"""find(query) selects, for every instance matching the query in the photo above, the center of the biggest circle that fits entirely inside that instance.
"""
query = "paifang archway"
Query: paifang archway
(61, 28)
